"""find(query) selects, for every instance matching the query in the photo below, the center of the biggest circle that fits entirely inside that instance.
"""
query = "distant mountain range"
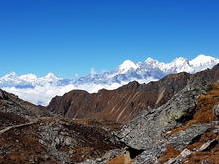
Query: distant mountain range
(148, 70)
(172, 120)
(40, 90)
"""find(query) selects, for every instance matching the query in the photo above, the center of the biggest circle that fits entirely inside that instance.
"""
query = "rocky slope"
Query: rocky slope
(120, 105)
(30, 134)
(123, 104)
(182, 128)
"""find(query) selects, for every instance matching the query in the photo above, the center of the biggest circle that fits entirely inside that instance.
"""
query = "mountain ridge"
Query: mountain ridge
(123, 104)
(143, 72)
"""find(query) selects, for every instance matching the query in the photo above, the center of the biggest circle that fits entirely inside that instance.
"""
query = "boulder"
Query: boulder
(216, 110)
(146, 132)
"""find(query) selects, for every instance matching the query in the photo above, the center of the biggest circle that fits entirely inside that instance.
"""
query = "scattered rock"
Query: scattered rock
(216, 110)
(184, 138)
(207, 145)
(181, 158)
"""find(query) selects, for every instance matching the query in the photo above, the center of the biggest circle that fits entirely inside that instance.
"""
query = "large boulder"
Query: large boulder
(146, 132)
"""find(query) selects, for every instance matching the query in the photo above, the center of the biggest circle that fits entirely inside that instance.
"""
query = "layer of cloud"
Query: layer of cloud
(42, 94)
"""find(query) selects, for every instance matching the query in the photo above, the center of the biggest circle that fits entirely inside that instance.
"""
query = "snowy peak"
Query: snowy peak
(12, 79)
(178, 65)
(181, 64)
(180, 61)
(40, 90)
(202, 60)
(151, 62)
(126, 66)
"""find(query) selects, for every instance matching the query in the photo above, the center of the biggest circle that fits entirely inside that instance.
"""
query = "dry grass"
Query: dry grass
(170, 153)
(204, 114)
(212, 156)
(122, 159)
(204, 110)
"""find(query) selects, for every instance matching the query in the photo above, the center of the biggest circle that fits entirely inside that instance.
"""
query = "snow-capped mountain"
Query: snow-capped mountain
(27, 80)
(149, 69)
(40, 90)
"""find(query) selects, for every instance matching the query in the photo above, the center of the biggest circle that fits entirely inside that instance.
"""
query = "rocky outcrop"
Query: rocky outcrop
(177, 123)
(123, 104)
(30, 134)
(185, 137)
(55, 140)
(216, 111)
(14, 111)
(10, 103)
(150, 125)
(186, 153)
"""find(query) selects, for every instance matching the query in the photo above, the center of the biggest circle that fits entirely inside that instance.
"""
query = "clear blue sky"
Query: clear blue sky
(72, 36)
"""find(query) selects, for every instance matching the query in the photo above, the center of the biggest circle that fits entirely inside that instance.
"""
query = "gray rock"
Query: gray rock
(180, 158)
(216, 110)
(207, 145)
(205, 162)
(216, 131)
(68, 141)
(183, 138)
(50, 136)
(146, 131)
(2, 96)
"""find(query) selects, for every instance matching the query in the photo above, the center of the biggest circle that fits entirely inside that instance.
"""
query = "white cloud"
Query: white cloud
(42, 94)
(92, 72)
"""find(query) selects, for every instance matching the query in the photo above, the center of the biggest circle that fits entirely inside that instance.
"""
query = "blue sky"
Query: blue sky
(70, 37)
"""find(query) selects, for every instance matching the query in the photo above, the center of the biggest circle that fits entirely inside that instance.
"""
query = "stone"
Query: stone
(1, 94)
(185, 137)
(146, 131)
(180, 158)
(207, 145)
(216, 110)
(68, 141)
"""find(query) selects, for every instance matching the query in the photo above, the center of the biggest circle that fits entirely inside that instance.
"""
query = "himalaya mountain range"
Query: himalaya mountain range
(40, 90)
(170, 121)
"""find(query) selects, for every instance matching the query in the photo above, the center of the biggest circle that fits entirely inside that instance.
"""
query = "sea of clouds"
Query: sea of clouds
(41, 90)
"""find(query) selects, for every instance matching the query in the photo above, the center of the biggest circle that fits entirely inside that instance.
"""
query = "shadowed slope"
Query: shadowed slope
(123, 104)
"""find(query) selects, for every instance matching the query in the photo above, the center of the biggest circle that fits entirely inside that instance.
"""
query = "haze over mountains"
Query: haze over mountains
(40, 90)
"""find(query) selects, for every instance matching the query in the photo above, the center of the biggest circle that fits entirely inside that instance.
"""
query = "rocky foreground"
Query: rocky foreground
(175, 120)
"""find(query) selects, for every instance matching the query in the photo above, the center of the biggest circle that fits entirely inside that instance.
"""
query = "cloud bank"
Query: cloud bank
(42, 94)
